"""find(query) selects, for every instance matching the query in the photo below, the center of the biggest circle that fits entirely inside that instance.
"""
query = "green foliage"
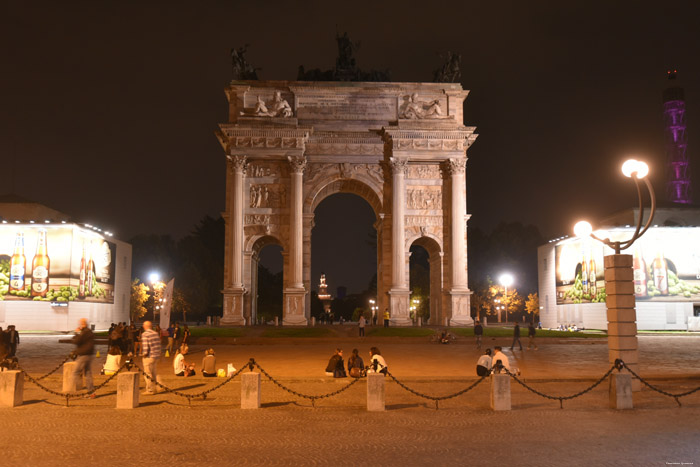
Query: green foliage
(139, 296)
(400, 332)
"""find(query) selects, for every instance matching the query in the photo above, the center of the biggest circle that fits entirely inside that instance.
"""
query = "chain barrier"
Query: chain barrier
(675, 397)
(561, 399)
(68, 357)
(312, 398)
(186, 395)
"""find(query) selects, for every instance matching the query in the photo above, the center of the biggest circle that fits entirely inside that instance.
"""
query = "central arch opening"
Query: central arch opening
(344, 248)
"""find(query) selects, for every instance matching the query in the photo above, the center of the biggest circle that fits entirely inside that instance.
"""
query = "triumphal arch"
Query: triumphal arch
(400, 146)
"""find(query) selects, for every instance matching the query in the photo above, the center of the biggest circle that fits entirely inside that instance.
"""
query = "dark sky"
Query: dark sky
(107, 109)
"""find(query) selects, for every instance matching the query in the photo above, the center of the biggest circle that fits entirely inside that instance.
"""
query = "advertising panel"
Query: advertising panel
(56, 263)
(666, 263)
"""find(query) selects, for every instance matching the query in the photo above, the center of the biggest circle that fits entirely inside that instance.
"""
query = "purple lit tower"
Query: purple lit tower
(678, 185)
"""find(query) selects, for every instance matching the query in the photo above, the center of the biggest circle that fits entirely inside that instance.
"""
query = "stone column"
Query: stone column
(399, 293)
(233, 296)
(459, 290)
(622, 315)
(294, 294)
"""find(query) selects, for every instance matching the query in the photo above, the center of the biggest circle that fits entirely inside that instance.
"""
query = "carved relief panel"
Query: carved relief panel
(273, 195)
(424, 198)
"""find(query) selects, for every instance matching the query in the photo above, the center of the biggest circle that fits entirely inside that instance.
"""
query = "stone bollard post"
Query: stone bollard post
(420, 322)
(11, 388)
(277, 321)
(621, 391)
(313, 321)
(250, 390)
(69, 383)
(375, 392)
(500, 392)
(128, 390)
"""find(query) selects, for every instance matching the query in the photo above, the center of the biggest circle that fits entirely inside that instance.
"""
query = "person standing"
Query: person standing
(84, 341)
(531, 336)
(150, 351)
(178, 335)
(171, 339)
(516, 337)
(14, 340)
(186, 334)
(386, 317)
(361, 325)
(478, 333)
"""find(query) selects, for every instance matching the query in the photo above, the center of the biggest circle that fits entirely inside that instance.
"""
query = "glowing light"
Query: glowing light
(154, 277)
(506, 280)
(583, 229)
(638, 168)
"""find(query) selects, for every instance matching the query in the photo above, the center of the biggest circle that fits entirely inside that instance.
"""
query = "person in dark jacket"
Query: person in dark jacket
(356, 367)
(84, 341)
(336, 366)
(14, 340)
(516, 337)
(478, 333)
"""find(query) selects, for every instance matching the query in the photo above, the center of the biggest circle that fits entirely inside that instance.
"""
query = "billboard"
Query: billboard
(666, 264)
(56, 263)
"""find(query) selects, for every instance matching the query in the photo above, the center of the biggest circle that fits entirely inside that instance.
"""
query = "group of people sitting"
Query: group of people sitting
(356, 366)
(180, 366)
(487, 363)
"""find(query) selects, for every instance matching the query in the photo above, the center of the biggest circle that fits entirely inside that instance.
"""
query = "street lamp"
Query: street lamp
(635, 170)
(506, 281)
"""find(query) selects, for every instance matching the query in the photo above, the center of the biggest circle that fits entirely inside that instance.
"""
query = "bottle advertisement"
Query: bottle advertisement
(55, 263)
(665, 264)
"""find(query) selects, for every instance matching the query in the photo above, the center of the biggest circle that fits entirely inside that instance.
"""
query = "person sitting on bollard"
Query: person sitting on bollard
(376, 356)
(180, 366)
(336, 366)
(483, 365)
(356, 367)
(209, 364)
(498, 355)
(113, 362)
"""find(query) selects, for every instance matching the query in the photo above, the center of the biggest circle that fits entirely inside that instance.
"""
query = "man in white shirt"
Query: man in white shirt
(499, 355)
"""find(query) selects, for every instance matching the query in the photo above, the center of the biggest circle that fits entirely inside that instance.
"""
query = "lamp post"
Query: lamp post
(506, 281)
(619, 282)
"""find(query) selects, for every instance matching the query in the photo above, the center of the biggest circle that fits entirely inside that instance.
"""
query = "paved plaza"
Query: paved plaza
(287, 430)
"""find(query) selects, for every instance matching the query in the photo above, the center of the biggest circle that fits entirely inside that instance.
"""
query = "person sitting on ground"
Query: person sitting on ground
(483, 365)
(113, 362)
(444, 338)
(209, 364)
(498, 355)
(180, 366)
(336, 366)
(376, 356)
(356, 366)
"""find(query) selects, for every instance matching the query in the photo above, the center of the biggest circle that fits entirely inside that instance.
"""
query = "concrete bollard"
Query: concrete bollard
(313, 321)
(69, 383)
(11, 388)
(250, 390)
(500, 392)
(420, 322)
(277, 321)
(128, 390)
(621, 391)
(375, 392)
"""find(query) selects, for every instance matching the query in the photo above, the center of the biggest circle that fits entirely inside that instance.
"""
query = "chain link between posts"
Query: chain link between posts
(68, 357)
(675, 397)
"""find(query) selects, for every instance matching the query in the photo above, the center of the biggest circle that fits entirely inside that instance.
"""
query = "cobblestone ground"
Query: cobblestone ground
(287, 430)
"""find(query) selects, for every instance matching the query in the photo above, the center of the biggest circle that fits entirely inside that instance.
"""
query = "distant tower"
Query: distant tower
(323, 295)
(678, 185)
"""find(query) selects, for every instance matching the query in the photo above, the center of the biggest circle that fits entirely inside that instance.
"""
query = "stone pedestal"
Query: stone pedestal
(11, 388)
(294, 308)
(70, 384)
(622, 315)
(399, 306)
(375, 392)
(621, 391)
(233, 307)
(250, 390)
(128, 390)
(460, 310)
(500, 392)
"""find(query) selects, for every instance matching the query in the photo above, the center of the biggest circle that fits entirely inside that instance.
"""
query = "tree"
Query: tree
(139, 296)
(532, 306)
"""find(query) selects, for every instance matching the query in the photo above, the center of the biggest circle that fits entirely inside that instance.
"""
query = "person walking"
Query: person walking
(361, 325)
(150, 351)
(14, 340)
(386, 317)
(531, 336)
(186, 334)
(478, 333)
(516, 337)
(84, 341)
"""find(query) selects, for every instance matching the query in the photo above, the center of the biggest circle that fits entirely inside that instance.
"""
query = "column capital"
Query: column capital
(398, 165)
(297, 164)
(455, 166)
(237, 164)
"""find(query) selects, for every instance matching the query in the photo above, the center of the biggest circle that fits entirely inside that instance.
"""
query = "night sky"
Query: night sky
(108, 109)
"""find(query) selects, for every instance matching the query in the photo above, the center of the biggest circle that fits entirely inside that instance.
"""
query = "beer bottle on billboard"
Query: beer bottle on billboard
(90, 272)
(593, 279)
(40, 267)
(640, 274)
(660, 271)
(584, 275)
(83, 274)
(18, 264)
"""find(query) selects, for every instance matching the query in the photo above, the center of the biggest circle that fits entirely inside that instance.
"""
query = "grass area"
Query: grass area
(217, 332)
(297, 332)
(400, 332)
(508, 332)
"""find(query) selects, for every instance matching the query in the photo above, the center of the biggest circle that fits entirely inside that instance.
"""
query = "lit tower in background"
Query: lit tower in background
(324, 296)
(678, 185)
